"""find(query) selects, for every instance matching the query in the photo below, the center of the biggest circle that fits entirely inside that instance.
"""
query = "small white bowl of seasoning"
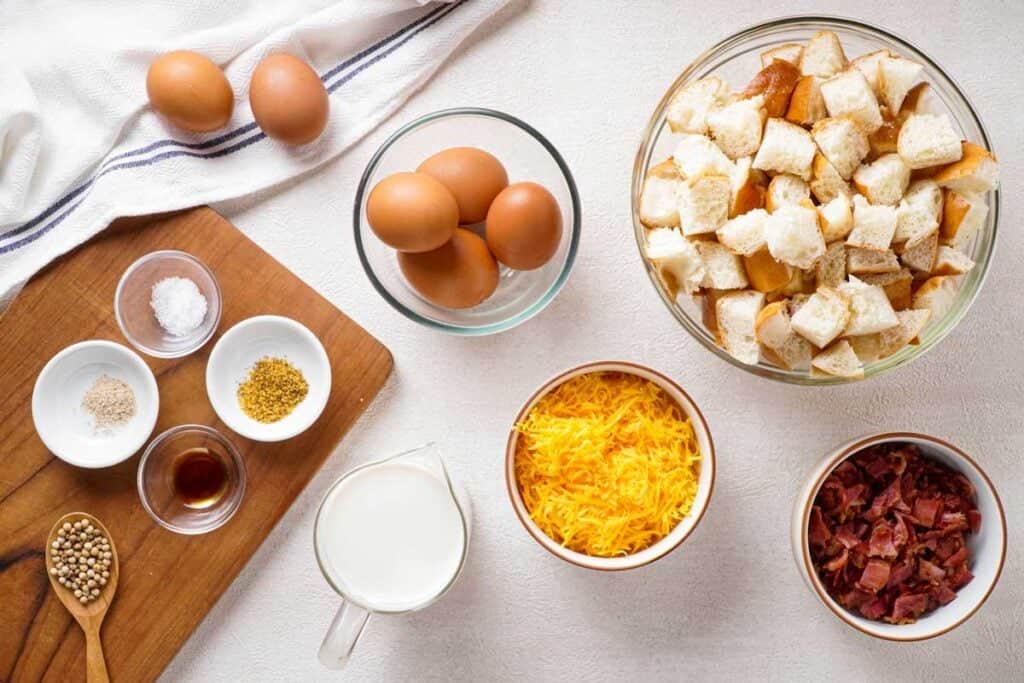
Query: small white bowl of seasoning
(168, 304)
(95, 403)
(268, 378)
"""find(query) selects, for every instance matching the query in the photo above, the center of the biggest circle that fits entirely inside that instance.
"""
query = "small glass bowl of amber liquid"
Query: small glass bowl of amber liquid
(191, 479)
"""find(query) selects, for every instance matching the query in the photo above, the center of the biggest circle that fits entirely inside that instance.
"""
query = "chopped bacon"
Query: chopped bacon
(930, 572)
(874, 609)
(875, 576)
(888, 533)
(957, 558)
(961, 578)
(900, 532)
(974, 520)
(877, 468)
(946, 547)
(900, 573)
(882, 543)
(847, 536)
(907, 608)
(926, 510)
(852, 497)
(953, 521)
(837, 562)
(818, 533)
(944, 594)
(890, 498)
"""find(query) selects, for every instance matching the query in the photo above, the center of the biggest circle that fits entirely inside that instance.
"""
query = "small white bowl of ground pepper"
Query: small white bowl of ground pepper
(95, 403)
(268, 378)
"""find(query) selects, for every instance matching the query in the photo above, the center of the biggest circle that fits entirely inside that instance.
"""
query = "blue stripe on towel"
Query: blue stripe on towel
(109, 165)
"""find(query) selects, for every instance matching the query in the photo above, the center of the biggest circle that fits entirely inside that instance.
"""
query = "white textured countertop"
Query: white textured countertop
(729, 602)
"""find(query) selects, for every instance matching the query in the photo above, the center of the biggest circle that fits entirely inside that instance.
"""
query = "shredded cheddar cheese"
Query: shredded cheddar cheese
(607, 464)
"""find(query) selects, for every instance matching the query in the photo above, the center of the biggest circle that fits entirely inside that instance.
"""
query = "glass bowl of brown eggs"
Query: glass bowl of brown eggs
(467, 220)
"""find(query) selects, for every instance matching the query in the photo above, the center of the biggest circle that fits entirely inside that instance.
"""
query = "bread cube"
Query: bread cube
(736, 127)
(787, 52)
(927, 140)
(736, 313)
(676, 260)
(782, 345)
(937, 295)
(884, 180)
(870, 261)
(849, 94)
(949, 261)
(823, 317)
(806, 105)
(786, 148)
(688, 109)
(919, 212)
(823, 56)
(976, 172)
(842, 142)
(963, 215)
(744, 234)
(786, 190)
(775, 84)
(911, 323)
(659, 200)
(896, 285)
(793, 236)
(704, 203)
(764, 272)
(838, 360)
(867, 64)
(870, 309)
(921, 255)
(826, 183)
(873, 226)
(748, 192)
(836, 218)
(722, 268)
(896, 76)
(830, 270)
(697, 155)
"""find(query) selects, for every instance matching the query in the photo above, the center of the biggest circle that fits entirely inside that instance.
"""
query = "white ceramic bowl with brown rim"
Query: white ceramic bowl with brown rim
(682, 530)
(988, 546)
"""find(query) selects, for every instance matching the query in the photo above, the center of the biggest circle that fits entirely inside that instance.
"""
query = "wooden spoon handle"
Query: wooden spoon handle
(95, 666)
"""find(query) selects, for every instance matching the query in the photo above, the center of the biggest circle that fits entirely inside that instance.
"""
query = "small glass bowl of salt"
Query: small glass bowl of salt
(168, 304)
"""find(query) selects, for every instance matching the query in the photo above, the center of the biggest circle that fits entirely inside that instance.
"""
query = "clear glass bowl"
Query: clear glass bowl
(135, 315)
(156, 480)
(737, 59)
(526, 155)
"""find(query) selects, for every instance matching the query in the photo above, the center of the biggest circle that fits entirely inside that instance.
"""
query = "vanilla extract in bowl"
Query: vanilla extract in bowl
(200, 477)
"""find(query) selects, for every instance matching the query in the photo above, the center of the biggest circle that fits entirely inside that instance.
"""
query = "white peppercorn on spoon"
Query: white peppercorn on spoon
(89, 616)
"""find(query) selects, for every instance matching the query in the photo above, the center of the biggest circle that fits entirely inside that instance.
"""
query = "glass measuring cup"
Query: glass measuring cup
(390, 537)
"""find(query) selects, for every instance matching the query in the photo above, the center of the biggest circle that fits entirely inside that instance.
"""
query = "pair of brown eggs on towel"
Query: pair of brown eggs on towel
(287, 97)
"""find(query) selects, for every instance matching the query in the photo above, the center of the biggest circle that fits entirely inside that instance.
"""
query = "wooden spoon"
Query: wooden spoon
(89, 616)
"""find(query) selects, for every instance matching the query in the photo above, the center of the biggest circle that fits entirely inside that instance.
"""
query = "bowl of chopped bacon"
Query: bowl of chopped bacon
(901, 535)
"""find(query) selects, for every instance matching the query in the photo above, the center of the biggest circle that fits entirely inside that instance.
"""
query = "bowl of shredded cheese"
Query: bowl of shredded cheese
(610, 465)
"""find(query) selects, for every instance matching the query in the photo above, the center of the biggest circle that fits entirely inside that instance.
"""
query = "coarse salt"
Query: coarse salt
(178, 305)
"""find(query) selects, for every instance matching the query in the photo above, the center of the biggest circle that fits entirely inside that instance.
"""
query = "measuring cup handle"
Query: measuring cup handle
(343, 635)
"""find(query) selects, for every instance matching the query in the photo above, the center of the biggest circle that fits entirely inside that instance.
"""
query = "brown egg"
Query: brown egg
(460, 274)
(288, 100)
(524, 226)
(472, 175)
(190, 91)
(412, 212)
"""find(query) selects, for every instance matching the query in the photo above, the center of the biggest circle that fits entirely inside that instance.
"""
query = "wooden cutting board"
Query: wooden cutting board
(168, 582)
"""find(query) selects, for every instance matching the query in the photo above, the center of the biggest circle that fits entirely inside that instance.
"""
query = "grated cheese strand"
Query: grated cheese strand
(607, 464)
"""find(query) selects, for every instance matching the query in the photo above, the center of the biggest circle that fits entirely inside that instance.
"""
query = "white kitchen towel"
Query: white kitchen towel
(79, 146)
